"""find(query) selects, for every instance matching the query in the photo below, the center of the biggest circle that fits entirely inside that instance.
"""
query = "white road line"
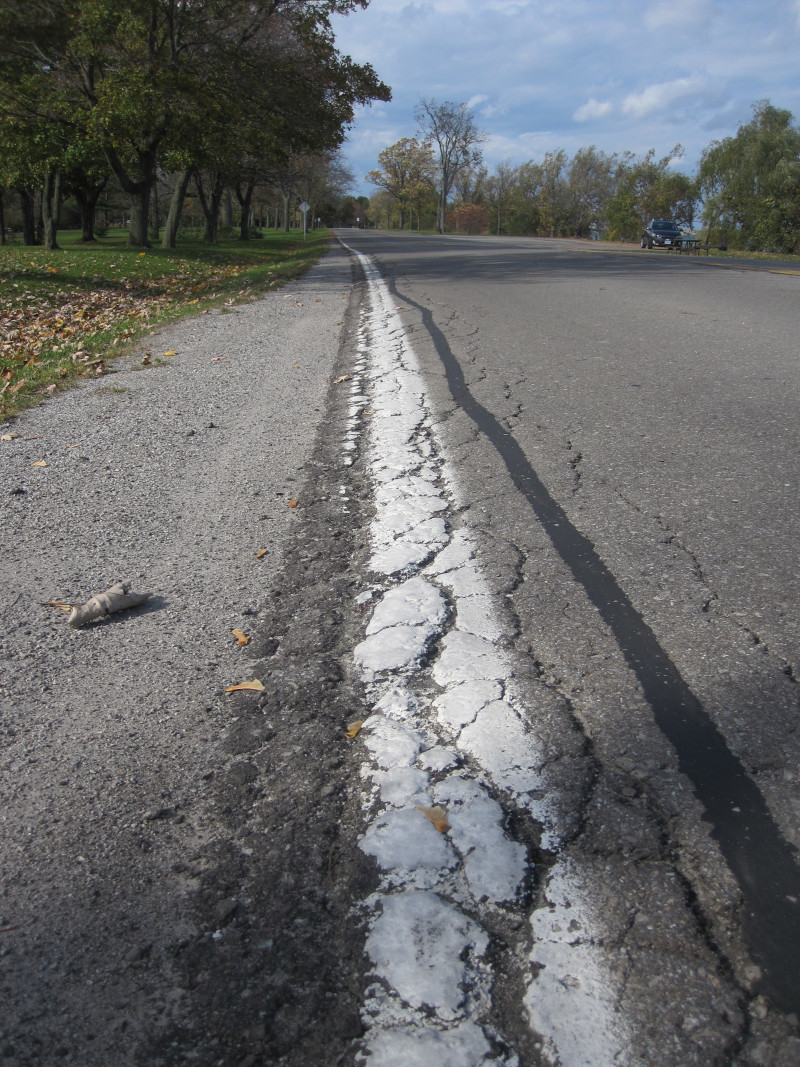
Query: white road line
(455, 746)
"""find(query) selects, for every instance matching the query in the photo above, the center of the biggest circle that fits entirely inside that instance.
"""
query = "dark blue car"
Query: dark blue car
(661, 233)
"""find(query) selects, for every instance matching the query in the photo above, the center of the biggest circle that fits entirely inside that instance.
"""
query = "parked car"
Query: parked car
(661, 233)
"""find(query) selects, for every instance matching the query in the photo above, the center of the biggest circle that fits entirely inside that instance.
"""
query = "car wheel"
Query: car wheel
(644, 242)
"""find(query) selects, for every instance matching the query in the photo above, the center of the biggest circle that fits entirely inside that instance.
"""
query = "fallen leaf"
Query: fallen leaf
(39, 463)
(255, 684)
(242, 638)
(9, 437)
(170, 353)
(261, 553)
(353, 728)
(343, 378)
(437, 815)
(293, 503)
(59, 604)
(147, 359)
(217, 359)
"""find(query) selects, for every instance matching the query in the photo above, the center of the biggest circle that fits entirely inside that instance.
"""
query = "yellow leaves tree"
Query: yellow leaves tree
(406, 173)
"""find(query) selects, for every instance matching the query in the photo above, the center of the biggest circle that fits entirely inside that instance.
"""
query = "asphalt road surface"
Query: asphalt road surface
(512, 529)
(622, 428)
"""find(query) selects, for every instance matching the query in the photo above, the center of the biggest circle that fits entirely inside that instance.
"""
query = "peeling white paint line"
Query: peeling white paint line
(425, 948)
(414, 603)
(495, 867)
(455, 1047)
(432, 991)
(572, 1001)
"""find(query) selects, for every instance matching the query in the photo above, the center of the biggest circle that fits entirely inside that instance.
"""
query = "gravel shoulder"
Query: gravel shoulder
(167, 869)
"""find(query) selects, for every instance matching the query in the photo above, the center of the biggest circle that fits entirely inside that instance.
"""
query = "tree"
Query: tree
(150, 77)
(540, 200)
(324, 179)
(590, 176)
(553, 195)
(404, 167)
(648, 188)
(471, 218)
(750, 183)
(451, 131)
(499, 189)
(470, 185)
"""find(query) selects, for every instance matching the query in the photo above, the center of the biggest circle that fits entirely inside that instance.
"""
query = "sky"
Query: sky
(542, 75)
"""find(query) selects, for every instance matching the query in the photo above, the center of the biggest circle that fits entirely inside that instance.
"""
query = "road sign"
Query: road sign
(304, 207)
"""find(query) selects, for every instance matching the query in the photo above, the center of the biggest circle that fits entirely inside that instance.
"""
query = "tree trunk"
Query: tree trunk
(51, 208)
(87, 197)
(87, 217)
(245, 200)
(226, 217)
(155, 227)
(441, 210)
(138, 189)
(286, 214)
(140, 213)
(28, 206)
(176, 209)
(210, 204)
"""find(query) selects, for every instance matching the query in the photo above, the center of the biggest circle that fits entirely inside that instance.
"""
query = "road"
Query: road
(511, 527)
(621, 434)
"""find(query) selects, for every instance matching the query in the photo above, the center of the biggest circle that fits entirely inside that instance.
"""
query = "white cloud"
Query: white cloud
(679, 14)
(660, 97)
(545, 74)
(592, 109)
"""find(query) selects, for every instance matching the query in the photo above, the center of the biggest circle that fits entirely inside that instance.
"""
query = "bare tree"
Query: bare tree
(451, 131)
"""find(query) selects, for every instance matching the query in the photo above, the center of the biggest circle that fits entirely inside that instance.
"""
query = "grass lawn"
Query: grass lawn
(66, 314)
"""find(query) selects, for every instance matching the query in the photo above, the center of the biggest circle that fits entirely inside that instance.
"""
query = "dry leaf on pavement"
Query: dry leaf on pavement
(255, 685)
(437, 815)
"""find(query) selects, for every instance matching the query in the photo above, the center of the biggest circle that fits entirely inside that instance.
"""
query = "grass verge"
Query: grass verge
(65, 315)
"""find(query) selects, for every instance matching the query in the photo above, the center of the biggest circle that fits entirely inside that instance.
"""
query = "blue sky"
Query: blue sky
(548, 74)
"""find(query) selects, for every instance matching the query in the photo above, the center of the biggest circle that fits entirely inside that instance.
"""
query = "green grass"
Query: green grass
(67, 314)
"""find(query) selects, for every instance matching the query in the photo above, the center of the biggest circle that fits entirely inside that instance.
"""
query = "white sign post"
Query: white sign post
(304, 207)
